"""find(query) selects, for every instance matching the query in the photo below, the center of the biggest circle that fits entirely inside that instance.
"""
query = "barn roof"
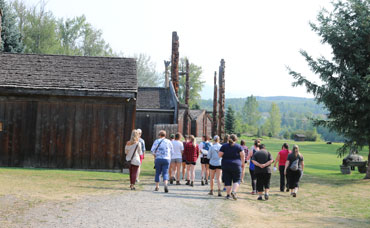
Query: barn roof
(154, 98)
(194, 114)
(68, 75)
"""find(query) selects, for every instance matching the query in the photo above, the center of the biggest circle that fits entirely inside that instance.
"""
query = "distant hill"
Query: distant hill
(286, 104)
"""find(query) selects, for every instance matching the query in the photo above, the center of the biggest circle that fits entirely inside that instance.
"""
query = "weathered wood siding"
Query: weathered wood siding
(145, 120)
(80, 133)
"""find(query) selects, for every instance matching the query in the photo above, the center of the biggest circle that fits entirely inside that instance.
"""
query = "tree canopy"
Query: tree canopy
(195, 82)
(10, 35)
(345, 88)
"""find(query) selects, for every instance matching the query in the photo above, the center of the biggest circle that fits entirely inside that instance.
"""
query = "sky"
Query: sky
(257, 39)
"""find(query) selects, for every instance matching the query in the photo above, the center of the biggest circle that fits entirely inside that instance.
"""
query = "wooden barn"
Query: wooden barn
(65, 111)
(155, 106)
(299, 137)
(199, 123)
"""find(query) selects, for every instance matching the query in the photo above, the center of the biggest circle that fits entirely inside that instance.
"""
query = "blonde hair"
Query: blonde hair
(134, 136)
(296, 148)
(193, 140)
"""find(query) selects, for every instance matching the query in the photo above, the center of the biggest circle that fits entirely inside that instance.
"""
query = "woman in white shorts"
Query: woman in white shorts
(176, 159)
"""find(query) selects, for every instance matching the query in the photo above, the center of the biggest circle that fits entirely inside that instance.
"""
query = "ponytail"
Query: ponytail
(232, 139)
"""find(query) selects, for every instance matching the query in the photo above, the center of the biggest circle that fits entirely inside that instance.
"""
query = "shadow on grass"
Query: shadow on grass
(103, 188)
(107, 180)
(333, 180)
(341, 221)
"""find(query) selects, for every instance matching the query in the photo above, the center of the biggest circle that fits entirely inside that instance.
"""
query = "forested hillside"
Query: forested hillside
(277, 116)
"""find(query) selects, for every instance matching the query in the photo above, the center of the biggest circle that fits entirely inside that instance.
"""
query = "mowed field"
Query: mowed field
(326, 197)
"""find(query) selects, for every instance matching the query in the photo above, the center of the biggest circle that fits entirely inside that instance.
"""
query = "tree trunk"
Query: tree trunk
(368, 165)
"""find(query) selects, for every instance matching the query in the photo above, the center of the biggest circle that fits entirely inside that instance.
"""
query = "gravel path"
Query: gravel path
(183, 206)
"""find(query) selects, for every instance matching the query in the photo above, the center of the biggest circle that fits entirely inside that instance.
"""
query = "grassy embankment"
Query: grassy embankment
(326, 198)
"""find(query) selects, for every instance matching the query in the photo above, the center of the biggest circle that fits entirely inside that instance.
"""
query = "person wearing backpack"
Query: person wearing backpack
(204, 160)
(294, 170)
(252, 151)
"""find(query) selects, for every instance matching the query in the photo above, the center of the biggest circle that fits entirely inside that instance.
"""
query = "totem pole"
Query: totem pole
(214, 124)
(187, 95)
(221, 112)
(175, 62)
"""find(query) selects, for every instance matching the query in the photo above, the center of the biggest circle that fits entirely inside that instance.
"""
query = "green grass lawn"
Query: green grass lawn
(325, 193)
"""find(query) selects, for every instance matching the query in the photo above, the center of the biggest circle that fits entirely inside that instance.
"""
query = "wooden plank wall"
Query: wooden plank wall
(146, 121)
(169, 128)
(64, 134)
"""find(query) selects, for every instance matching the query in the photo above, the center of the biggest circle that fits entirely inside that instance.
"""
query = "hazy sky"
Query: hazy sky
(257, 39)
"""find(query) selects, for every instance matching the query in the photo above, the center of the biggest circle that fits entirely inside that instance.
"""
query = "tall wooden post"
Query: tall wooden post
(167, 80)
(1, 15)
(187, 95)
(175, 62)
(214, 124)
(221, 112)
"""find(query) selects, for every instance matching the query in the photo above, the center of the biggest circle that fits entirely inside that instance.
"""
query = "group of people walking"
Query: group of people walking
(224, 162)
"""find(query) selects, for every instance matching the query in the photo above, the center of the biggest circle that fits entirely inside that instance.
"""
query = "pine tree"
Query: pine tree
(230, 121)
(10, 34)
(345, 87)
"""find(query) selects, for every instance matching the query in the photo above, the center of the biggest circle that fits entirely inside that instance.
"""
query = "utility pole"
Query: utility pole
(214, 124)
(175, 62)
(221, 113)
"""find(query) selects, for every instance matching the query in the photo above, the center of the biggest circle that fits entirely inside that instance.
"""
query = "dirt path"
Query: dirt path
(183, 206)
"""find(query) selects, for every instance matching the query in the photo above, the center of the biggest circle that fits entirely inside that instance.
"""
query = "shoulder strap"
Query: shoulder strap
(158, 146)
(134, 151)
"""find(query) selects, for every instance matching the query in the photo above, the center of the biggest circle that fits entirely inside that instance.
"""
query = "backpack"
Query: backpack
(294, 166)
(206, 146)
(251, 164)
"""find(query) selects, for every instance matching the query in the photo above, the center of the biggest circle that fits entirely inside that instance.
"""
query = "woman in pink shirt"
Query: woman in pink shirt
(281, 158)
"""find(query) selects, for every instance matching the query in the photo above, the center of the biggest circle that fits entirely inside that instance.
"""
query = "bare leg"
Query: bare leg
(138, 173)
(228, 190)
(212, 178)
(235, 187)
(183, 166)
(178, 167)
(207, 171)
(218, 176)
(203, 173)
(188, 172)
(192, 170)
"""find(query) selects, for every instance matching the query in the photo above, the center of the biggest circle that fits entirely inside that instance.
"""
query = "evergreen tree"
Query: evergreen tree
(10, 35)
(230, 121)
(345, 87)
(274, 121)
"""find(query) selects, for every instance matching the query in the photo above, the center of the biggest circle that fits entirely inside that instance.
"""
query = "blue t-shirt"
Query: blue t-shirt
(231, 154)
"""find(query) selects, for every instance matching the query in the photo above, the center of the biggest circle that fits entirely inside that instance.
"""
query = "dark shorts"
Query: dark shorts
(231, 174)
(190, 163)
(263, 181)
(214, 167)
(204, 161)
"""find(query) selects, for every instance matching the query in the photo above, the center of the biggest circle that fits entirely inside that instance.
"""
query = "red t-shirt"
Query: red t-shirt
(191, 152)
(283, 156)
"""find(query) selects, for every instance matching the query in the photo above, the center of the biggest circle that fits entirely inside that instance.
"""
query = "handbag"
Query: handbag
(133, 153)
(294, 165)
